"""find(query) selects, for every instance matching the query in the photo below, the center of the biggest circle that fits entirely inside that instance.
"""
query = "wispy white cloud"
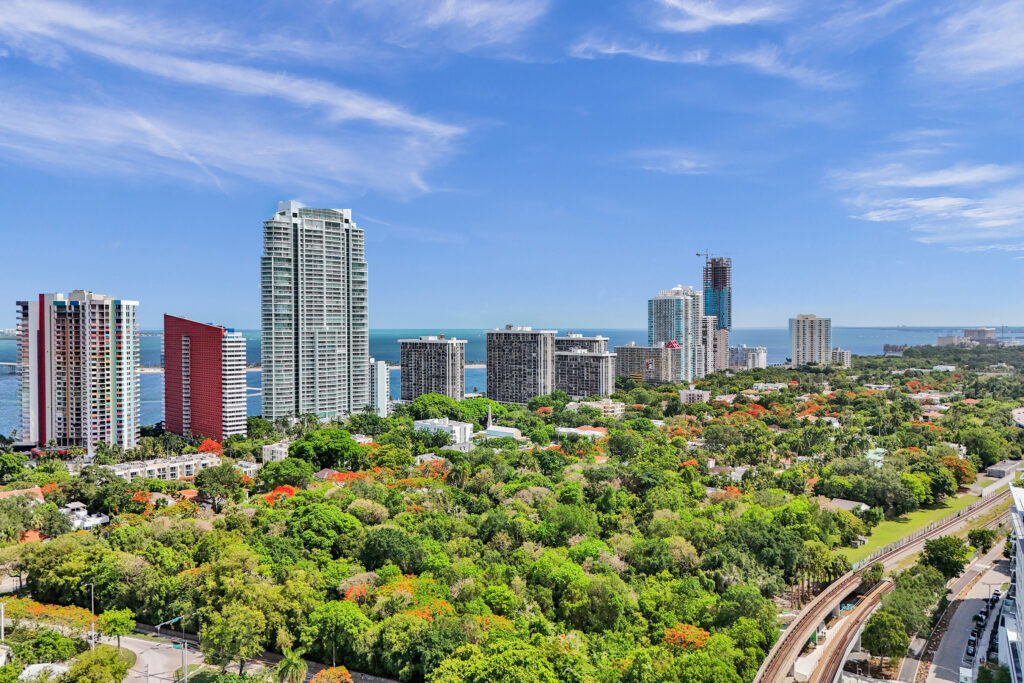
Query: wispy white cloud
(339, 126)
(767, 59)
(210, 146)
(671, 161)
(979, 42)
(589, 48)
(690, 16)
(959, 204)
(957, 175)
(461, 24)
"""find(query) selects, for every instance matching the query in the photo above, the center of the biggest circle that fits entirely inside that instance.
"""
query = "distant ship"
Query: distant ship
(10, 333)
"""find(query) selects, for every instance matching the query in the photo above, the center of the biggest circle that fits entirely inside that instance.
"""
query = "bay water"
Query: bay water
(384, 345)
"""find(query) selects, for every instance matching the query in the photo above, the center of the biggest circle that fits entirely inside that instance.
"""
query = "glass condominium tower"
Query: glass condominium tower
(314, 314)
(718, 291)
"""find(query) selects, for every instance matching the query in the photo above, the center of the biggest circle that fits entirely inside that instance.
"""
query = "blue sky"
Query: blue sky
(547, 162)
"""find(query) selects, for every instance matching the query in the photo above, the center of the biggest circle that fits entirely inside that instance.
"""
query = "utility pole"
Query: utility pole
(92, 608)
(184, 644)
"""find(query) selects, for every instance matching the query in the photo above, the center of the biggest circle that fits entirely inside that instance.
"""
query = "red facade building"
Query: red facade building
(204, 379)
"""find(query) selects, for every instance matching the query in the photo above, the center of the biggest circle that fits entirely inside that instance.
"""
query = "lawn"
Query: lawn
(895, 529)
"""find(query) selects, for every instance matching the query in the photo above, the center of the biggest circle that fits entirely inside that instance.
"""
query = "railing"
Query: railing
(924, 531)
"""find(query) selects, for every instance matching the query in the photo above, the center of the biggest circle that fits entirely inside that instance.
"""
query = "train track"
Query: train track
(835, 651)
(776, 665)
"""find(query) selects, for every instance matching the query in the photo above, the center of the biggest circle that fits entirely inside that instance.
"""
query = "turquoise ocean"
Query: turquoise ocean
(384, 346)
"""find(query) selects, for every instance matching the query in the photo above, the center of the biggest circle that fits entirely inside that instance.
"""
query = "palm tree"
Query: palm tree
(292, 667)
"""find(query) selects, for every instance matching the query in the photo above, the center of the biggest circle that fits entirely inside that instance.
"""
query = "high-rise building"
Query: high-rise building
(575, 340)
(313, 284)
(842, 357)
(433, 364)
(811, 339)
(78, 358)
(718, 290)
(675, 315)
(520, 363)
(204, 379)
(380, 387)
(581, 372)
(650, 364)
(745, 357)
(1011, 617)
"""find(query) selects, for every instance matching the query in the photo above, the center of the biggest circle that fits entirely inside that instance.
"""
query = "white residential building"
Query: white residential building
(460, 432)
(313, 283)
(1011, 630)
(78, 371)
(276, 452)
(606, 406)
(692, 395)
(841, 357)
(811, 339)
(677, 315)
(169, 469)
(380, 387)
(745, 357)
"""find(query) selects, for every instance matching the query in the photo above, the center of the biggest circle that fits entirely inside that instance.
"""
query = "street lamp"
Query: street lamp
(92, 609)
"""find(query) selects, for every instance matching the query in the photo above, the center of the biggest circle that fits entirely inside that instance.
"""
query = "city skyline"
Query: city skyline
(497, 138)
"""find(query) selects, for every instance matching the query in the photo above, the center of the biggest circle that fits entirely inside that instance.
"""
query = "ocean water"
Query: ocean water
(384, 346)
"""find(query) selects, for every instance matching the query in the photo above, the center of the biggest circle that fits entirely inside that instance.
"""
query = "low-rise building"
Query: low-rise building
(79, 516)
(499, 432)
(1003, 469)
(769, 386)
(943, 368)
(586, 431)
(276, 452)
(169, 469)
(460, 432)
(247, 468)
(876, 456)
(692, 395)
(606, 406)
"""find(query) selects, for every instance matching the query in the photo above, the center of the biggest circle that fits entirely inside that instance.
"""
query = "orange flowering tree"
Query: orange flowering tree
(210, 446)
(685, 637)
(337, 674)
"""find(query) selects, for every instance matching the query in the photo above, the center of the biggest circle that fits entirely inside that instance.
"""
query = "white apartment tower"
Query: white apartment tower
(433, 364)
(676, 315)
(78, 358)
(811, 339)
(380, 387)
(315, 322)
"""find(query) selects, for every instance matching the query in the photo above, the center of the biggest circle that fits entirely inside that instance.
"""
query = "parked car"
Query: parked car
(971, 650)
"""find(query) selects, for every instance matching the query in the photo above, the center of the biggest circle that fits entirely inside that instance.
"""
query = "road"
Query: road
(949, 657)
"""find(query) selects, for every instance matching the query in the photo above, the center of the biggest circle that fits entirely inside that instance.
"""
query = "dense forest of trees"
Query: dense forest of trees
(640, 556)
